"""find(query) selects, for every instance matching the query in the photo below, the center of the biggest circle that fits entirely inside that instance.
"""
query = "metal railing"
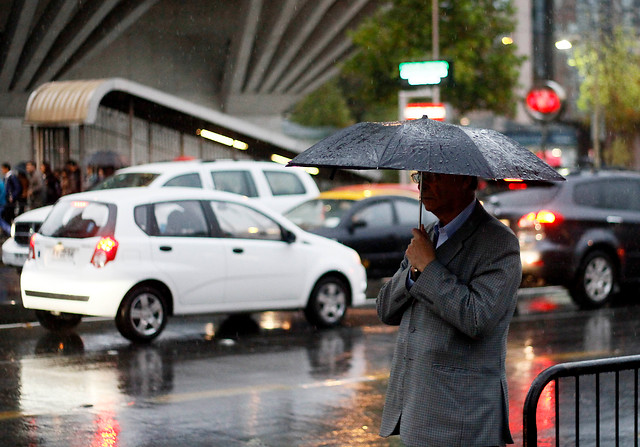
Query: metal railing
(576, 370)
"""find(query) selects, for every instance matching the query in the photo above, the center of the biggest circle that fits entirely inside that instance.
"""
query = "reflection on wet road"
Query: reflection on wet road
(267, 381)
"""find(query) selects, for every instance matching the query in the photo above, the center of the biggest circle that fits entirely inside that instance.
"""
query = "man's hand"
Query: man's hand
(420, 252)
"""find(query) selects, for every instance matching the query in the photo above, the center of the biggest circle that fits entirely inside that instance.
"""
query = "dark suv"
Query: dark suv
(583, 234)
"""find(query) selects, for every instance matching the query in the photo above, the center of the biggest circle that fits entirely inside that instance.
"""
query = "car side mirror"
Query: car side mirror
(288, 236)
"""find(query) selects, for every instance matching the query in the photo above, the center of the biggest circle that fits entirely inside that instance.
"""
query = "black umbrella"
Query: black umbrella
(106, 159)
(427, 145)
(430, 146)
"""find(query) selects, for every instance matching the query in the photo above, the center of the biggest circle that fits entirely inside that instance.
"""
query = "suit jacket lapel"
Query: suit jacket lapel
(447, 251)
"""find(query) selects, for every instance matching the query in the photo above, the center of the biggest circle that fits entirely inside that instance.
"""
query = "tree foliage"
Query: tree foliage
(610, 71)
(470, 36)
(326, 106)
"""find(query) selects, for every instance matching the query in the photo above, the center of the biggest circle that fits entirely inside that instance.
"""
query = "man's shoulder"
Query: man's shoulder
(492, 224)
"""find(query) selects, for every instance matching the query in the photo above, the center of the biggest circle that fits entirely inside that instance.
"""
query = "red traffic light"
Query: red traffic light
(545, 102)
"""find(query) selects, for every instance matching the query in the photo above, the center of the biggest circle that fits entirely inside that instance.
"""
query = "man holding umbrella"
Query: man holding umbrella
(453, 298)
(455, 291)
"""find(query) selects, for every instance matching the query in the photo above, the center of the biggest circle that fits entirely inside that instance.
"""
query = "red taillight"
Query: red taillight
(32, 246)
(515, 183)
(542, 217)
(105, 251)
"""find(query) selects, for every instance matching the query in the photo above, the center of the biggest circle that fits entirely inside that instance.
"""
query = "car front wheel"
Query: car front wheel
(595, 282)
(57, 322)
(328, 302)
(142, 315)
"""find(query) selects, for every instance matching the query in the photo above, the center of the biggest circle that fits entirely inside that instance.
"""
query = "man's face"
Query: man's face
(4, 170)
(441, 193)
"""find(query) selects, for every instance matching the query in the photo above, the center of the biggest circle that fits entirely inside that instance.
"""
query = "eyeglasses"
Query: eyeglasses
(426, 177)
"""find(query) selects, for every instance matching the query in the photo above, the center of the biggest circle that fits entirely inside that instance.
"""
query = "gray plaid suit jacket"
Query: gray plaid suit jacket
(448, 384)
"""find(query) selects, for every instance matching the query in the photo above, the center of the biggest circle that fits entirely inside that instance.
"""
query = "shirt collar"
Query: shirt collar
(453, 226)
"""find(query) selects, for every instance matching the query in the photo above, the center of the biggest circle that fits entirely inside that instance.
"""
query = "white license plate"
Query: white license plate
(60, 253)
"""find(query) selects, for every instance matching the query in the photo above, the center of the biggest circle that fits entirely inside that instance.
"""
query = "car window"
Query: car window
(191, 180)
(183, 218)
(77, 219)
(284, 183)
(378, 214)
(238, 182)
(621, 194)
(318, 213)
(126, 180)
(532, 196)
(408, 211)
(238, 221)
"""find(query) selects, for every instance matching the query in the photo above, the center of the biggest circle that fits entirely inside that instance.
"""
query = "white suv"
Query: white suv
(273, 185)
(140, 255)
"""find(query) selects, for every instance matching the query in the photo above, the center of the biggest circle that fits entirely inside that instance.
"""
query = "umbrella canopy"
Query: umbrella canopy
(427, 145)
(106, 159)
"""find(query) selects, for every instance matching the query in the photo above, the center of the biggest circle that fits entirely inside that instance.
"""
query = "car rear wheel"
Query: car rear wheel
(142, 315)
(595, 282)
(57, 322)
(327, 304)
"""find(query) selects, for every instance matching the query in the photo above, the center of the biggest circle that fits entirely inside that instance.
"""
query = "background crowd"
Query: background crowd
(26, 187)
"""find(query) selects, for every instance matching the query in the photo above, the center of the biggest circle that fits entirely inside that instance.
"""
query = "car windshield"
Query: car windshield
(318, 213)
(533, 195)
(126, 180)
(77, 219)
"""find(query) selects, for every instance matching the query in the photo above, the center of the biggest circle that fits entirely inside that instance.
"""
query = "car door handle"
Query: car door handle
(165, 248)
(614, 219)
(238, 250)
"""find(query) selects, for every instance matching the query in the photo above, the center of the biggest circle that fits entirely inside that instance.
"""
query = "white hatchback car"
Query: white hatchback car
(273, 185)
(140, 255)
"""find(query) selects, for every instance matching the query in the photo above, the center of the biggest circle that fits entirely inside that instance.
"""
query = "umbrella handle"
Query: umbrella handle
(420, 212)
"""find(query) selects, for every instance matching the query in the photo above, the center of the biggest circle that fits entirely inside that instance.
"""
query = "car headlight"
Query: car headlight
(530, 258)
(13, 229)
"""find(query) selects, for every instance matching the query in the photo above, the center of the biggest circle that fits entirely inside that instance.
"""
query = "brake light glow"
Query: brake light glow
(32, 246)
(542, 217)
(104, 252)
(546, 217)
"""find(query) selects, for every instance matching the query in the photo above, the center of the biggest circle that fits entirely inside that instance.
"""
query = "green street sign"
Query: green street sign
(425, 72)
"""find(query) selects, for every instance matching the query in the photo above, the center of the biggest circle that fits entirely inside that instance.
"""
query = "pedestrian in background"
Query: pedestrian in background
(453, 298)
(12, 192)
(21, 205)
(4, 226)
(73, 175)
(51, 185)
(35, 191)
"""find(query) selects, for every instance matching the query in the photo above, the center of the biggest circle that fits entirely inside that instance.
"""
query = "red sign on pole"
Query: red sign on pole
(545, 102)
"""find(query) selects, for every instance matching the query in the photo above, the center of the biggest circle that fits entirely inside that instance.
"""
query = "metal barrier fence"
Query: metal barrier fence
(576, 370)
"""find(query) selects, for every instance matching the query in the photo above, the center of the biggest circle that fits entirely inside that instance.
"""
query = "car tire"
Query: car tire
(58, 322)
(142, 315)
(595, 282)
(328, 302)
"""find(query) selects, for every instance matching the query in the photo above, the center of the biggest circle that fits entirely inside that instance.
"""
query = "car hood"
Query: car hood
(35, 215)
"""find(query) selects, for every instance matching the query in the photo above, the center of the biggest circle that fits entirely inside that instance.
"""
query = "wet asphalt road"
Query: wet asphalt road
(266, 381)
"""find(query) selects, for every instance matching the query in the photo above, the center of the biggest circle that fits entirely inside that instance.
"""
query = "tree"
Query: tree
(471, 31)
(610, 72)
(326, 106)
